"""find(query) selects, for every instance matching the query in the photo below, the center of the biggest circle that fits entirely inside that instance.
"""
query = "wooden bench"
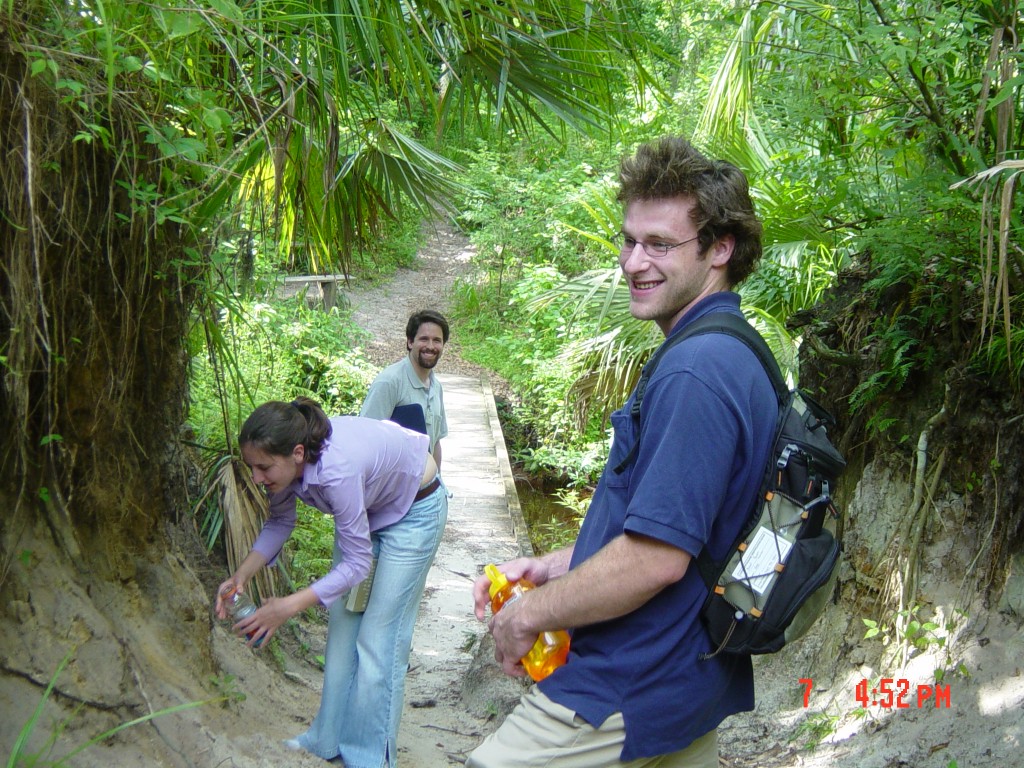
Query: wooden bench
(325, 285)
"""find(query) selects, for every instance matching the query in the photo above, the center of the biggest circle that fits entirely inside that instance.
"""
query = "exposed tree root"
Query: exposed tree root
(900, 589)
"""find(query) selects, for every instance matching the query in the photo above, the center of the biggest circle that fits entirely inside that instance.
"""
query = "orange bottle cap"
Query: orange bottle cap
(498, 580)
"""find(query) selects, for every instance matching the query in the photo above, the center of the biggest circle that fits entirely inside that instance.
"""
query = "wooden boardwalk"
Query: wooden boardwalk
(485, 524)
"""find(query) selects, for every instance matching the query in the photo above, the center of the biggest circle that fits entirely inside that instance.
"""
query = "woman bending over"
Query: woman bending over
(381, 486)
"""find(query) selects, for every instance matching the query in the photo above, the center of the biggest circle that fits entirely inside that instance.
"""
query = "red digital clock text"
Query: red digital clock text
(900, 694)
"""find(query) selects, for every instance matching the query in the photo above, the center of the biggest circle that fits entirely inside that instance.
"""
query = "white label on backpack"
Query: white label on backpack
(757, 566)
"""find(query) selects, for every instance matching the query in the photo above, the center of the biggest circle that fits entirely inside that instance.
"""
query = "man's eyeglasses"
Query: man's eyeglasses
(651, 249)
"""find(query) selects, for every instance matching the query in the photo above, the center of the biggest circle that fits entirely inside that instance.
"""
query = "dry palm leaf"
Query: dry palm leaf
(244, 507)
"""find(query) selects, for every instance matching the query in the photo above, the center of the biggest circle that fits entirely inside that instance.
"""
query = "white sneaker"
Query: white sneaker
(293, 744)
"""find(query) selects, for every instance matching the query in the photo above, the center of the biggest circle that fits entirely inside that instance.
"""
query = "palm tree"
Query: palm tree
(333, 105)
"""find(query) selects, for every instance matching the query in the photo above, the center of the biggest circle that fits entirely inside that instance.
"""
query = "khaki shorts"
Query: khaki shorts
(542, 734)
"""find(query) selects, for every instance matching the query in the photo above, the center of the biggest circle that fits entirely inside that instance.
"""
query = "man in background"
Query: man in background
(411, 381)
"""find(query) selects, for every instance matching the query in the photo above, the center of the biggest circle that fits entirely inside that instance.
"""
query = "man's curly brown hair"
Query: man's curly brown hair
(672, 167)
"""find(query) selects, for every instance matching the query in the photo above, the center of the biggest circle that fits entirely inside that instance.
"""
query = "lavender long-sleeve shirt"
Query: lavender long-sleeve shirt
(366, 478)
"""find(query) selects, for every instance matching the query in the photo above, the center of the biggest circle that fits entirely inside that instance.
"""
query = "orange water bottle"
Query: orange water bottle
(551, 649)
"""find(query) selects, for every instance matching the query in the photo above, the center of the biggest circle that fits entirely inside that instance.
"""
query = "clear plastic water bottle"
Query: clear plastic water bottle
(239, 605)
(552, 647)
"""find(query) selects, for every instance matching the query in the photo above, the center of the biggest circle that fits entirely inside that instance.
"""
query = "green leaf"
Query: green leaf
(178, 23)
(229, 10)
(131, 64)
(1008, 90)
(18, 751)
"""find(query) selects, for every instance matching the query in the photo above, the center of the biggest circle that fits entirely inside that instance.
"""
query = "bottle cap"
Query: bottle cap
(228, 593)
(498, 580)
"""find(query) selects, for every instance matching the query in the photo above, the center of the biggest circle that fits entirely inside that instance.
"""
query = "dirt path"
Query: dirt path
(454, 692)
(382, 310)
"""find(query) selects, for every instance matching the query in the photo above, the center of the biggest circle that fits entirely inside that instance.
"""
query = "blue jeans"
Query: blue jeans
(367, 654)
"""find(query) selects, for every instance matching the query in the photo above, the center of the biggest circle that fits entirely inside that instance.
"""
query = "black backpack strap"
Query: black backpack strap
(739, 328)
(717, 322)
(732, 325)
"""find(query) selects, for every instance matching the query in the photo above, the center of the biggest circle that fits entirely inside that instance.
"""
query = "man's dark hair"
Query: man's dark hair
(425, 316)
(672, 167)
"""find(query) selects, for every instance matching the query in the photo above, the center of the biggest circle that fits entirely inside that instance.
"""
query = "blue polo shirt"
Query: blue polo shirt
(707, 420)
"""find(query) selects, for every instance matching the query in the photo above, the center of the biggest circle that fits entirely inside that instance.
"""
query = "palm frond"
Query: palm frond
(997, 247)
(244, 507)
(609, 358)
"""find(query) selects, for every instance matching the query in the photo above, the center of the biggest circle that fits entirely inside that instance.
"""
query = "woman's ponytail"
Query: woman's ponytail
(318, 427)
(277, 427)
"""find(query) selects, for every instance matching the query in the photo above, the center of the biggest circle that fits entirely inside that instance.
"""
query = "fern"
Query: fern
(894, 366)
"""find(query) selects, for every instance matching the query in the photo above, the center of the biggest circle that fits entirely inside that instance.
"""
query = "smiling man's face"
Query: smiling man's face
(663, 287)
(426, 347)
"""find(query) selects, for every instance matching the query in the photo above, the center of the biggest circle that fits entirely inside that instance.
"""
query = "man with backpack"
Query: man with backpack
(643, 685)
